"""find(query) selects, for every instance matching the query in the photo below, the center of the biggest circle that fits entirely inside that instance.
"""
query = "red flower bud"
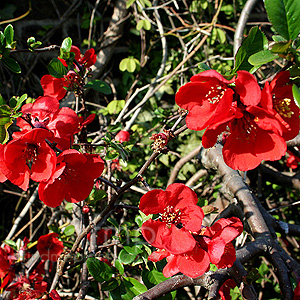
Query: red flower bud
(122, 136)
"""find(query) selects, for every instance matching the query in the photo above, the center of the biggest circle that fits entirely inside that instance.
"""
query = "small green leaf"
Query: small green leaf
(129, 3)
(56, 68)
(99, 270)
(253, 43)
(129, 64)
(9, 34)
(125, 257)
(284, 16)
(69, 230)
(11, 64)
(66, 45)
(20, 100)
(113, 222)
(11, 244)
(99, 86)
(119, 266)
(115, 106)
(143, 24)
(296, 94)
(262, 57)
(134, 250)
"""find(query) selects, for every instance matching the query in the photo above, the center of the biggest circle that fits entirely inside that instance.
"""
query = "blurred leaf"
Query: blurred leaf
(11, 244)
(99, 86)
(56, 68)
(284, 16)
(281, 47)
(143, 24)
(69, 230)
(115, 106)
(109, 285)
(99, 270)
(208, 209)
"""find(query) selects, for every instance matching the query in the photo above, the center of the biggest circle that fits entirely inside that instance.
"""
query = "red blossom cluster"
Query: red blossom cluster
(259, 122)
(41, 150)
(179, 235)
(58, 87)
(32, 285)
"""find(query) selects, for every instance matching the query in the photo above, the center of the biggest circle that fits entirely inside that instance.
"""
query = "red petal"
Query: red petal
(247, 87)
(195, 263)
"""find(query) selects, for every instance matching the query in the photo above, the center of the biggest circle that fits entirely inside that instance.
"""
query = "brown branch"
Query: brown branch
(181, 163)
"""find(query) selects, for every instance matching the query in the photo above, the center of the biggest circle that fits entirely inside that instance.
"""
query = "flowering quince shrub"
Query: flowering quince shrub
(131, 185)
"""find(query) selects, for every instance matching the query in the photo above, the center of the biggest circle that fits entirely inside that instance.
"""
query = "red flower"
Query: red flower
(178, 215)
(53, 87)
(73, 178)
(87, 60)
(28, 156)
(7, 270)
(216, 240)
(45, 113)
(255, 135)
(122, 136)
(29, 294)
(224, 291)
(193, 264)
(209, 96)
(50, 247)
(292, 160)
(278, 97)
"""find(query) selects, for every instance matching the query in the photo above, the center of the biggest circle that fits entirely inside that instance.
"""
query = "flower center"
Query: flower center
(282, 106)
(170, 216)
(30, 153)
(215, 94)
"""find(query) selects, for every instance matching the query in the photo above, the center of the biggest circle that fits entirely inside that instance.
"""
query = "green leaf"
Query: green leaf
(99, 86)
(110, 285)
(11, 243)
(119, 266)
(129, 3)
(69, 230)
(262, 57)
(253, 43)
(56, 68)
(134, 250)
(5, 122)
(20, 100)
(129, 64)
(115, 106)
(284, 16)
(113, 222)
(9, 34)
(11, 64)
(66, 44)
(133, 286)
(143, 24)
(125, 257)
(99, 270)
(296, 94)
(281, 47)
